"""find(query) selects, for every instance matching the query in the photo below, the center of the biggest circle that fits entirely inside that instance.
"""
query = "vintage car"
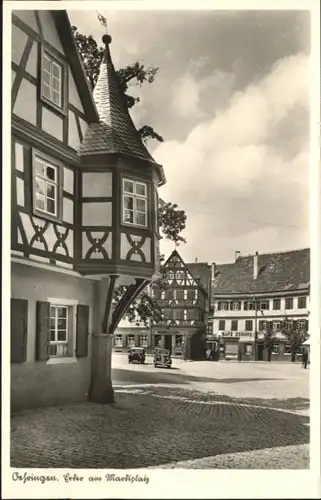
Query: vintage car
(162, 357)
(136, 354)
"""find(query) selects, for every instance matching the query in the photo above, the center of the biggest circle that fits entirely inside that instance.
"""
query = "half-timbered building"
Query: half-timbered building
(84, 215)
(183, 300)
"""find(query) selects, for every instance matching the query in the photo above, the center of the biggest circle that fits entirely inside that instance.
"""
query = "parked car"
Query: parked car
(162, 357)
(136, 355)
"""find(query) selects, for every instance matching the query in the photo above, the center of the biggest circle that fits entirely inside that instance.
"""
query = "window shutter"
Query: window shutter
(19, 328)
(82, 328)
(219, 306)
(245, 305)
(43, 331)
(267, 305)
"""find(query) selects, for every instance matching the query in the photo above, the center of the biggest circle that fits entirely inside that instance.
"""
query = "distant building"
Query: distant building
(252, 291)
(183, 299)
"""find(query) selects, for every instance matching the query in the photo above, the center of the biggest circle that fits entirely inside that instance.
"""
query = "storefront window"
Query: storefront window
(248, 348)
(158, 340)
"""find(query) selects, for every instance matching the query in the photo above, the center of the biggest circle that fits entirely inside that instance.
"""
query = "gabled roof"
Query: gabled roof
(63, 27)
(115, 133)
(198, 274)
(277, 272)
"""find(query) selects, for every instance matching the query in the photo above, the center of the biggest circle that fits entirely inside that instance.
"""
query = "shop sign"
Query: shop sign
(236, 334)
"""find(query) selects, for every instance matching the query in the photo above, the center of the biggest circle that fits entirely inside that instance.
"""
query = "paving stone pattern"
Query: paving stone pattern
(158, 426)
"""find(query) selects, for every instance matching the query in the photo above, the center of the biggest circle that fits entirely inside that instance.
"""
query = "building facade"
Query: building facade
(183, 300)
(83, 216)
(132, 334)
(253, 292)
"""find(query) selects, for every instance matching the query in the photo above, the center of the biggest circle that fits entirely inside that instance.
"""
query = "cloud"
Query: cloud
(231, 174)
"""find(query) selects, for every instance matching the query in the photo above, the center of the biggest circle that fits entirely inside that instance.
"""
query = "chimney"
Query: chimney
(255, 265)
(237, 255)
(196, 260)
(212, 272)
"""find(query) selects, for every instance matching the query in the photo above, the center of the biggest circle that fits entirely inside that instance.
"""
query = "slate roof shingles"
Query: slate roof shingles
(284, 271)
(115, 132)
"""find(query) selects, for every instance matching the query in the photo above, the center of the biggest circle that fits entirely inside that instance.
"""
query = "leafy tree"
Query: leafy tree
(172, 221)
(268, 338)
(295, 334)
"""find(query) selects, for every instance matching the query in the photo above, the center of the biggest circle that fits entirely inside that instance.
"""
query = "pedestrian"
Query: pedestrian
(305, 358)
(208, 354)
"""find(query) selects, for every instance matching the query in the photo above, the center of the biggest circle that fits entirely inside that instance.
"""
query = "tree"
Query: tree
(295, 334)
(268, 338)
(172, 221)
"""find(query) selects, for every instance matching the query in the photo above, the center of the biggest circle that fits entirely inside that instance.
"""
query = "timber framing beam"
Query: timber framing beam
(127, 299)
(109, 301)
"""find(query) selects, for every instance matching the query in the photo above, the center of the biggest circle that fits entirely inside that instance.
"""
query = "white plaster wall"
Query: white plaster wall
(74, 98)
(49, 30)
(97, 184)
(19, 41)
(32, 63)
(52, 124)
(28, 17)
(73, 135)
(97, 214)
(26, 104)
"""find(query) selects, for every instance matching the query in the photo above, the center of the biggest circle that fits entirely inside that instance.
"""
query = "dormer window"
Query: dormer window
(134, 202)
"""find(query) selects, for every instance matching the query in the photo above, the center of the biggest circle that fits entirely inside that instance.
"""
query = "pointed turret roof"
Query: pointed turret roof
(115, 133)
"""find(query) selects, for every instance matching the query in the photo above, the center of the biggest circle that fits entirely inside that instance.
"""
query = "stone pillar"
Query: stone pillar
(102, 342)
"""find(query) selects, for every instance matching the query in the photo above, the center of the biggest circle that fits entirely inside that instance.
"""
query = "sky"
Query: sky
(231, 100)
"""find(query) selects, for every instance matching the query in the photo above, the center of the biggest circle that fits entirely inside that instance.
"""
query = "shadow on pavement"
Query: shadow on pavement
(120, 375)
(144, 430)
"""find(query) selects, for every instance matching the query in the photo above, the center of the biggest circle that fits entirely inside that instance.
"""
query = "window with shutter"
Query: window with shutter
(43, 331)
(19, 328)
(82, 331)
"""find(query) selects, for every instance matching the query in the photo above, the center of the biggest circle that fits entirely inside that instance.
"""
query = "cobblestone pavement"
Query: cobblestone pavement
(164, 427)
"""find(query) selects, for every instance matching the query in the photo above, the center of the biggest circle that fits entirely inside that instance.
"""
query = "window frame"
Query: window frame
(60, 62)
(305, 302)
(247, 321)
(118, 336)
(234, 321)
(235, 306)
(266, 302)
(220, 321)
(46, 159)
(72, 335)
(278, 301)
(276, 328)
(135, 197)
(131, 336)
(145, 343)
(292, 304)
(276, 349)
